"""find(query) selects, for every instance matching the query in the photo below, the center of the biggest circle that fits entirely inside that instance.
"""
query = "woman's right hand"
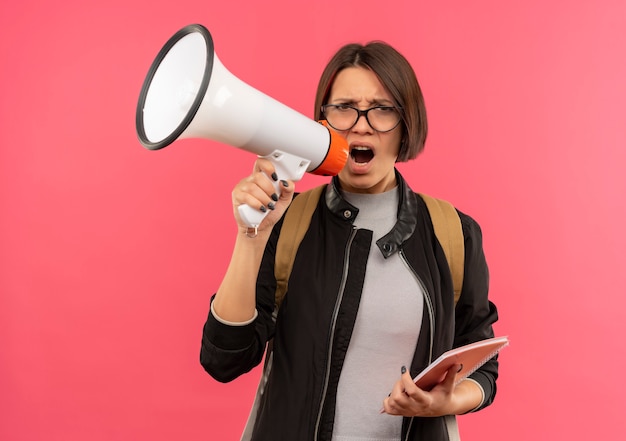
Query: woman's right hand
(258, 192)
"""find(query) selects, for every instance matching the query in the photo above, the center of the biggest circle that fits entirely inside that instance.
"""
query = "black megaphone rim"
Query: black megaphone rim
(206, 78)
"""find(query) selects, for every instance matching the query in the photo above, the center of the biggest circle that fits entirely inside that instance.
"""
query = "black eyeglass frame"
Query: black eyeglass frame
(364, 113)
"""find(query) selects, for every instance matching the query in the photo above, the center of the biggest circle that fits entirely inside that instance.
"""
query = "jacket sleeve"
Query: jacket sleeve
(228, 351)
(475, 313)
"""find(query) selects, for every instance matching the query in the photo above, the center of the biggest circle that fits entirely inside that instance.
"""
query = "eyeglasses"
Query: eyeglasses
(380, 118)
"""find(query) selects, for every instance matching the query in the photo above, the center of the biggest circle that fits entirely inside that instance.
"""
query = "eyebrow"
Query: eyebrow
(372, 102)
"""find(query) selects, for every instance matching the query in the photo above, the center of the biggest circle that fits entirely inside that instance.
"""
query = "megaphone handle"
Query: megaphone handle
(253, 217)
(287, 166)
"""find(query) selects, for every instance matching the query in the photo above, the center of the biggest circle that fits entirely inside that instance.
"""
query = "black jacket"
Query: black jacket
(314, 324)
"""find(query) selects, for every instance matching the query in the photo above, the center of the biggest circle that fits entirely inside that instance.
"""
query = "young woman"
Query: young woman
(370, 301)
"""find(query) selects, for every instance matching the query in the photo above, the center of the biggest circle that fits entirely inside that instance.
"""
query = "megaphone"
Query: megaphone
(188, 93)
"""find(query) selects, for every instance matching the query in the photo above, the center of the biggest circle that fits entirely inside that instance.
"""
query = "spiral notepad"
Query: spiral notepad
(470, 357)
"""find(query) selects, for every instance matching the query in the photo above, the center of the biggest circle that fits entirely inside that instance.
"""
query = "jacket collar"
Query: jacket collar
(401, 231)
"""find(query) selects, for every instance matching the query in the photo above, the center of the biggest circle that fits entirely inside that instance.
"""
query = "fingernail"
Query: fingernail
(271, 205)
(275, 176)
(275, 197)
(403, 370)
(285, 183)
(263, 209)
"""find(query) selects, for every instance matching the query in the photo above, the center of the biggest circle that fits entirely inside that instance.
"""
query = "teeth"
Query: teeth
(361, 154)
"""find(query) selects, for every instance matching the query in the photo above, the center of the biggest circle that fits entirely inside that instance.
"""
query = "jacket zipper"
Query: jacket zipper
(429, 304)
(431, 316)
(342, 288)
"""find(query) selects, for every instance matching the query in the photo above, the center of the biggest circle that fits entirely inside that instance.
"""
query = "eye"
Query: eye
(343, 107)
(385, 109)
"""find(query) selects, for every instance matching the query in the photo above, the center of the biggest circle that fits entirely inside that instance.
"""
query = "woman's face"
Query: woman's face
(370, 165)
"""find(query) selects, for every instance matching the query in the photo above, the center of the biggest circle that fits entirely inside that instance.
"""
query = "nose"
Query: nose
(362, 124)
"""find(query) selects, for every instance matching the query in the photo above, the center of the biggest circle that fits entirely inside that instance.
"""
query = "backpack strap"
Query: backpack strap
(296, 223)
(449, 232)
(445, 219)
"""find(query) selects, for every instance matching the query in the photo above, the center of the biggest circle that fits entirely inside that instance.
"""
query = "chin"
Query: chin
(356, 183)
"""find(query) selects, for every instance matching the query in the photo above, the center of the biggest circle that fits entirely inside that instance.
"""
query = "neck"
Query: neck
(352, 185)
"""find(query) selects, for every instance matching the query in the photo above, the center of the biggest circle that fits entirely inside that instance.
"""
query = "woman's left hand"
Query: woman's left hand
(408, 400)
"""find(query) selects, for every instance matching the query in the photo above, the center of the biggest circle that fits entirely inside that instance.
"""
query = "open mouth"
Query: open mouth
(361, 155)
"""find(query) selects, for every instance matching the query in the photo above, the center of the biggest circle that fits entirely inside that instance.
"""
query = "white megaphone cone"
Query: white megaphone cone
(188, 93)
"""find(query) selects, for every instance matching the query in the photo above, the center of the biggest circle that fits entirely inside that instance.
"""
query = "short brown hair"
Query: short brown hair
(396, 75)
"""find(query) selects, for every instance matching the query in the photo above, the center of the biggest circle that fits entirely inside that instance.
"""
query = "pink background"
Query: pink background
(109, 252)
